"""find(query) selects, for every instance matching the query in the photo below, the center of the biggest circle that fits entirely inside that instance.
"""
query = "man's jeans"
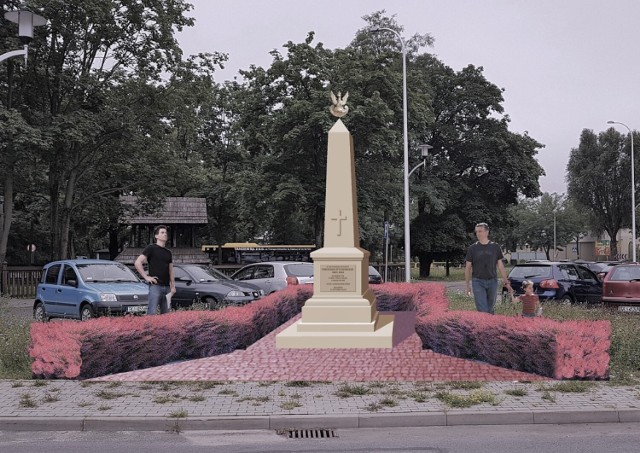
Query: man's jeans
(485, 293)
(157, 295)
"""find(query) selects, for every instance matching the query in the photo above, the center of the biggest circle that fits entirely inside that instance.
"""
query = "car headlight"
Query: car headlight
(235, 293)
(108, 297)
(262, 292)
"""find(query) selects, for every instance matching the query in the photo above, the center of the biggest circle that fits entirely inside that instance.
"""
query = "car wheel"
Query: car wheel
(566, 300)
(211, 303)
(86, 312)
(39, 313)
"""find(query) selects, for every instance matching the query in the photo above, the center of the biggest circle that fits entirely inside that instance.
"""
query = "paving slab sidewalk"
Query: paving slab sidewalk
(115, 406)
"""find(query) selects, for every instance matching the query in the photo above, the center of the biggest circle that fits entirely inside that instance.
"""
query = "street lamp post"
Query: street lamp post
(633, 192)
(407, 230)
(555, 247)
(26, 20)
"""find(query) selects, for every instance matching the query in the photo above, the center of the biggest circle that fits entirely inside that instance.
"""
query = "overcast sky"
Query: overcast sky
(565, 65)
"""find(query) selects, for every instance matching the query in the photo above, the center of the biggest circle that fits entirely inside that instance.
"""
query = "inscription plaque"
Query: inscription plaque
(338, 278)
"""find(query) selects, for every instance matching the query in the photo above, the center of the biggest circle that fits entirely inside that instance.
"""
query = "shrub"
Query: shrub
(568, 349)
(561, 350)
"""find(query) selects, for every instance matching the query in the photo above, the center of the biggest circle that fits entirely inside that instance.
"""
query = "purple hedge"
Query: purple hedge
(568, 349)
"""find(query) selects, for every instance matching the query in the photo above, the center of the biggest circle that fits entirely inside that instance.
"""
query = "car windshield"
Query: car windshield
(530, 271)
(217, 274)
(201, 274)
(106, 273)
(625, 273)
(599, 267)
(300, 270)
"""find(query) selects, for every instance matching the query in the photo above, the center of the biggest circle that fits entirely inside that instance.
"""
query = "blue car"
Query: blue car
(83, 289)
(565, 282)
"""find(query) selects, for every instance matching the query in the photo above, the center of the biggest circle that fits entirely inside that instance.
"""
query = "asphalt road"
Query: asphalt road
(585, 438)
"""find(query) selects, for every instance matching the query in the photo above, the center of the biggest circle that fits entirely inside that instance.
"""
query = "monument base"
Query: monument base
(334, 337)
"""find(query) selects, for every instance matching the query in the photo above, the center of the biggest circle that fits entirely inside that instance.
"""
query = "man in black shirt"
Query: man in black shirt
(483, 257)
(160, 271)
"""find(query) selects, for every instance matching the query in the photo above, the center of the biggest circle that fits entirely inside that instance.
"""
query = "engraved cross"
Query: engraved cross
(339, 219)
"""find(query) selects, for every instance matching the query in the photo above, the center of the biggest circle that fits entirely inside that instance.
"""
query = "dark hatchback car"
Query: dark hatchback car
(621, 288)
(565, 282)
(83, 289)
(199, 283)
(600, 268)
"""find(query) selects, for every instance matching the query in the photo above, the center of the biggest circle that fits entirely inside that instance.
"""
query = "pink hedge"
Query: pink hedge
(113, 345)
(561, 350)
(103, 346)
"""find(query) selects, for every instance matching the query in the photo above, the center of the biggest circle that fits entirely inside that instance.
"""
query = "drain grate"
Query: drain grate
(309, 433)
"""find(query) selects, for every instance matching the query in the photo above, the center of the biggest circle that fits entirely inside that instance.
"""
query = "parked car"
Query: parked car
(374, 275)
(272, 276)
(621, 288)
(600, 268)
(565, 282)
(196, 282)
(85, 288)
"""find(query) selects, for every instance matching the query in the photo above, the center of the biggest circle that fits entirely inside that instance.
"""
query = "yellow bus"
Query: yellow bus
(250, 252)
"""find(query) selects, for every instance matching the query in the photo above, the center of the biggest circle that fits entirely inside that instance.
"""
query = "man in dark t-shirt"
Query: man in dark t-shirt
(160, 271)
(480, 271)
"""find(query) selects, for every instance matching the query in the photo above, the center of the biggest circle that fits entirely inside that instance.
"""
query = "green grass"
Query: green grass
(569, 387)
(297, 384)
(516, 392)
(476, 397)
(15, 362)
(439, 273)
(179, 414)
(347, 391)
(289, 405)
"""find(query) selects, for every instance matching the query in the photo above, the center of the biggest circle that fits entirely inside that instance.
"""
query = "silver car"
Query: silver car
(273, 276)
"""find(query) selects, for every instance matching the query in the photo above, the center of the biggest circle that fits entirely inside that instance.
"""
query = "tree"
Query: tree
(478, 167)
(544, 222)
(78, 92)
(576, 222)
(598, 181)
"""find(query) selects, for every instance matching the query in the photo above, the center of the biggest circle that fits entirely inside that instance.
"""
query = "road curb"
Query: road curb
(329, 421)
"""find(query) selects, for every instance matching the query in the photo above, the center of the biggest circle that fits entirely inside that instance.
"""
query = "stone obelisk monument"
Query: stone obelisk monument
(342, 312)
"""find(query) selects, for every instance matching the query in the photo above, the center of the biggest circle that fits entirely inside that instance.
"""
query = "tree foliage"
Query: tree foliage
(108, 106)
(542, 223)
(598, 181)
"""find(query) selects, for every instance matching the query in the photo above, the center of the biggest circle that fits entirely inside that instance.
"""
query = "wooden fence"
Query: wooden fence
(395, 272)
(20, 281)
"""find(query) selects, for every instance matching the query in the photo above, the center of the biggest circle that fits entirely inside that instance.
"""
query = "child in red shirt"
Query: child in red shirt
(530, 302)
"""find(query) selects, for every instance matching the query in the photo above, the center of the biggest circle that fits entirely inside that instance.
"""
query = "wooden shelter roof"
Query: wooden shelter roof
(185, 210)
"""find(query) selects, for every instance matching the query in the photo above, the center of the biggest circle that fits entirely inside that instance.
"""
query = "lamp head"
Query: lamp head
(611, 122)
(424, 150)
(374, 28)
(26, 20)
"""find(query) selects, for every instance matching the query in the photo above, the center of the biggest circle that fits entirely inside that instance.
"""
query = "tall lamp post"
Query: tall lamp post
(555, 247)
(633, 192)
(407, 231)
(26, 20)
